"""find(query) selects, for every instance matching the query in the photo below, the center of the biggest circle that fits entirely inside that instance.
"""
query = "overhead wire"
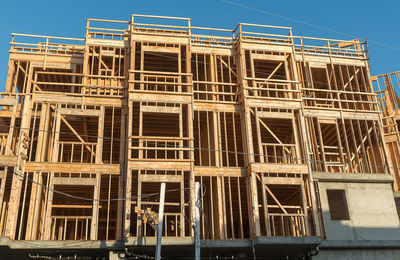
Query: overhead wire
(216, 150)
(22, 176)
(157, 193)
(152, 194)
(307, 23)
(196, 148)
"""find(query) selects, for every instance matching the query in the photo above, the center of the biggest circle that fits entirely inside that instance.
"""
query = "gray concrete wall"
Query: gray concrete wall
(373, 231)
(372, 210)
(359, 254)
(397, 201)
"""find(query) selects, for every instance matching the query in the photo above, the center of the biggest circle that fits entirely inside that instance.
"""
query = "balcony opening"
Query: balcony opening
(145, 210)
(78, 139)
(278, 143)
(283, 210)
(269, 78)
(71, 217)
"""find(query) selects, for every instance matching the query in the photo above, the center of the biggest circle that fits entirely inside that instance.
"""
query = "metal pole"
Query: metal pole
(160, 221)
(197, 221)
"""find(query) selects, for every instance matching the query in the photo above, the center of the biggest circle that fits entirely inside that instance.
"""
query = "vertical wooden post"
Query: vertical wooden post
(220, 208)
(95, 209)
(9, 151)
(255, 214)
(122, 178)
(10, 73)
(47, 217)
(13, 213)
(259, 139)
(96, 191)
(2, 205)
(100, 136)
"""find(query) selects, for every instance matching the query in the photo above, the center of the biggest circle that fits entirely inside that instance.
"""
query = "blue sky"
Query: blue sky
(378, 21)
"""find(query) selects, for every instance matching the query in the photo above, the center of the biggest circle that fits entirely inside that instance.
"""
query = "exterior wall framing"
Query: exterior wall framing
(90, 130)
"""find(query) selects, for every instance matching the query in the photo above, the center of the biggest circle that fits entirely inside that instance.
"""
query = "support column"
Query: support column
(13, 212)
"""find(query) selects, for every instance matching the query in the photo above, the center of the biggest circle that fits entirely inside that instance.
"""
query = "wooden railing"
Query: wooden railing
(47, 46)
(329, 47)
(280, 153)
(389, 125)
(70, 227)
(215, 91)
(95, 29)
(273, 89)
(160, 148)
(287, 225)
(77, 152)
(255, 33)
(94, 85)
(206, 38)
(177, 30)
(172, 226)
(350, 100)
(100, 85)
(160, 82)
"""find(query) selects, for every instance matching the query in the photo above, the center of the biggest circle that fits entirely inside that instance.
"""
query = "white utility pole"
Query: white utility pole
(160, 221)
(197, 221)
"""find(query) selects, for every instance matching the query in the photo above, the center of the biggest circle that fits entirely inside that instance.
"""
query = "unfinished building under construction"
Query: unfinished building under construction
(296, 156)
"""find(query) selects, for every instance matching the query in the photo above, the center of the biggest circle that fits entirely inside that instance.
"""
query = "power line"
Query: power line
(152, 194)
(206, 149)
(83, 198)
(308, 24)
(196, 148)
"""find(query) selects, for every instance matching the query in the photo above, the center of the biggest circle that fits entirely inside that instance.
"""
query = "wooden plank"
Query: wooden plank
(169, 98)
(107, 42)
(77, 100)
(276, 115)
(161, 178)
(208, 106)
(266, 47)
(161, 109)
(8, 160)
(74, 181)
(8, 101)
(79, 112)
(148, 165)
(139, 37)
(279, 168)
(216, 171)
(161, 49)
(72, 167)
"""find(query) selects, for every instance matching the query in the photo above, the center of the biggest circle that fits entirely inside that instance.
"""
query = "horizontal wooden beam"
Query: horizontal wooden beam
(279, 168)
(160, 178)
(73, 167)
(74, 181)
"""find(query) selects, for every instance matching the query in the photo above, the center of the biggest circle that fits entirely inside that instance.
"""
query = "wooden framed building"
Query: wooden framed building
(91, 127)
(386, 87)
